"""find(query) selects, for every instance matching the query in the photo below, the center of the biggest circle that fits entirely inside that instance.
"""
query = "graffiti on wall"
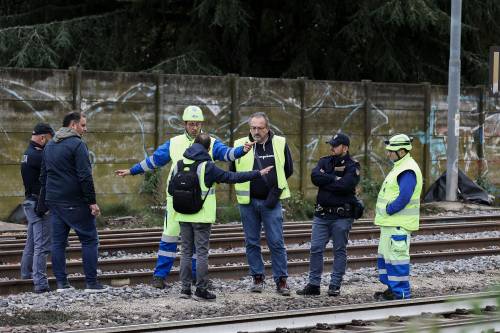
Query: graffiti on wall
(326, 96)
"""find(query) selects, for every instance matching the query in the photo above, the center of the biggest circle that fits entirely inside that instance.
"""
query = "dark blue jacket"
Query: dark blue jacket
(66, 174)
(214, 174)
(30, 170)
(337, 184)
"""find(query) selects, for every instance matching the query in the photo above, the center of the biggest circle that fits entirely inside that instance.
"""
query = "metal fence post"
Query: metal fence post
(303, 162)
(426, 86)
(76, 73)
(367, 119)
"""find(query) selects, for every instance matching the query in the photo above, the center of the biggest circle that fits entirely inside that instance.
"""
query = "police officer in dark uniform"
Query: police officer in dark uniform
(37, 248)
(336, 177)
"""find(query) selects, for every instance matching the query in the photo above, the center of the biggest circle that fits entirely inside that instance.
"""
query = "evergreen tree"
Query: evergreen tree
(381, 40)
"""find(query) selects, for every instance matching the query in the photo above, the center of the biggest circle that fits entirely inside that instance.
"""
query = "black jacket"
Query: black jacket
(30, 170)
(337, 184)
(259, 189)
(66, 175)
(214, 174)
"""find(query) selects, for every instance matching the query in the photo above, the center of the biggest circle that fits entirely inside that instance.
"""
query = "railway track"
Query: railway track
(233, 271)
(238, 258)
(11, 251)
(228, 229)
(232, 264)
(450, 314)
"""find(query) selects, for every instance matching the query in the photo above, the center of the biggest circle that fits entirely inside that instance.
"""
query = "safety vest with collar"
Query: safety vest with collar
(178, 145)
(408, 217)
(246, 162)
(208, 210)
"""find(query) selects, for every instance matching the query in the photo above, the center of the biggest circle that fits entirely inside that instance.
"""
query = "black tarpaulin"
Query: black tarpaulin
(467, 191)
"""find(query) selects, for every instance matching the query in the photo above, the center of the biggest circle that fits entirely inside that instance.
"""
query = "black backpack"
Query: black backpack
(185, 189)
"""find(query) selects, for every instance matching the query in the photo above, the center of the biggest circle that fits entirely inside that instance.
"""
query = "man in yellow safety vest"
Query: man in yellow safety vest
(397, 214)
(172, 150)
(259, 200)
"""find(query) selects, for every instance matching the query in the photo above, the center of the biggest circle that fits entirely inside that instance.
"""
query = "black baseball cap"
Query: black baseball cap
(43, 128)
(339, 139)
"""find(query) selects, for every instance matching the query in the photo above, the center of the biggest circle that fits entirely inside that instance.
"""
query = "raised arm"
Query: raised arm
(221, 152)
(160, 157)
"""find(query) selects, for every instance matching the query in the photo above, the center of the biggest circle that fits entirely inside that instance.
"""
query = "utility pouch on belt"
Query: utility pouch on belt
(346, 210)
(359, 208)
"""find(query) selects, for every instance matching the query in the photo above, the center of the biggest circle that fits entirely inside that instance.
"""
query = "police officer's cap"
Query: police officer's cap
(42, 128)
(339, 139)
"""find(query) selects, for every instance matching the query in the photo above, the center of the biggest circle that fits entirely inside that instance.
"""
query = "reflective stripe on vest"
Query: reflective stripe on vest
(207, 213)
(408, 217)
(245, 163)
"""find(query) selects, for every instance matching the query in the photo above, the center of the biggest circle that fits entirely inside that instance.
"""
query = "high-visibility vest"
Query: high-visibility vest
(208, 210)
(246, 162)
(178, 145)
(408, 217)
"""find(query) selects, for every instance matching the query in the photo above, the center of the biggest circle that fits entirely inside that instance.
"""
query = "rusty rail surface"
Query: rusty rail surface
(234, 258)
(11, 251)
(454, 313)
(298, 263)
(14, 236)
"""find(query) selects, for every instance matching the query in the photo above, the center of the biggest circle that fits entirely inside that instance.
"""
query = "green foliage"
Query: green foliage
(369, 191)
(486, 184)
(152, 187)
(194, 62)
(297, 208)
(119, 209)
(139, 217)
(381, 40)
(227, 214)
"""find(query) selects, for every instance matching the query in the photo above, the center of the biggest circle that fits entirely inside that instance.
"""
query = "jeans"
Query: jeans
(37, 248)
(195, 235)
(322, 231)
(78, 217)
(254, 216)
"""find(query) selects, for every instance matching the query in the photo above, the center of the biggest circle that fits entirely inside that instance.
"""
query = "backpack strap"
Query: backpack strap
(198, 172)
(178, 166)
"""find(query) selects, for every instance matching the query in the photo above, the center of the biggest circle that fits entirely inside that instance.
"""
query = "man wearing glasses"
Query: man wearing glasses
(259, 200)
(172, 150)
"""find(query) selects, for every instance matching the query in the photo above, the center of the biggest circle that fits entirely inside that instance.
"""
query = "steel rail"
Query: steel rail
(220, 259)
(228, 228)
(237, 271)
(356, 233)
(11, 253)
(335, 315)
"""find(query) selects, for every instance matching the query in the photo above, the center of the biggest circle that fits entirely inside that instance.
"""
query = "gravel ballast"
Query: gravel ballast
(144, 304)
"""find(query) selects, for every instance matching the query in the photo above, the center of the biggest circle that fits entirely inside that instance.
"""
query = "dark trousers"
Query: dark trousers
(195, 235)
(37, 248)
(77, 217)
(324, 230)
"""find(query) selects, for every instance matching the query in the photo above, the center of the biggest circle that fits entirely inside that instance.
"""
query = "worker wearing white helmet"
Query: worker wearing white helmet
(172, 150)
(397, 214)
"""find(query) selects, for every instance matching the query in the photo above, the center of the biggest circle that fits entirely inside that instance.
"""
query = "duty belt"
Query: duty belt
(343, 211)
